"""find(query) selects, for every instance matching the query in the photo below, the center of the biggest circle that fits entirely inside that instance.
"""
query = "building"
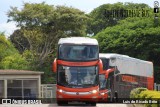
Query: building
(20, 84)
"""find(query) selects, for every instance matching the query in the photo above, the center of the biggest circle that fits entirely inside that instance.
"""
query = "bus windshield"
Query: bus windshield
(78, 76)
(102, 81)
(78, 52)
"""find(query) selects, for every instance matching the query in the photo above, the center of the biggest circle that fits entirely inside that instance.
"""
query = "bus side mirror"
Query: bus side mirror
(54, 65)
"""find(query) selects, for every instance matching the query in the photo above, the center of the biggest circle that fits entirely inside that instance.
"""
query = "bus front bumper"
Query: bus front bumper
(77, 96)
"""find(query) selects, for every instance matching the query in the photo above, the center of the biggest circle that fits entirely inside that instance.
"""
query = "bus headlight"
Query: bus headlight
(94, 91)
(102, 93)
(60, 90)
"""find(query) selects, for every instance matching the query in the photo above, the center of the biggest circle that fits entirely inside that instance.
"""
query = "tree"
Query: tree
(9, 56)
(6, 48)
(136, 37)
(101, 16)
(15, 61)
(42, 25)
(19, 40)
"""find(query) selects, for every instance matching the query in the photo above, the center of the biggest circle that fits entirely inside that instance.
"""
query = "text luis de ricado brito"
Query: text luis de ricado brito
(126, 13)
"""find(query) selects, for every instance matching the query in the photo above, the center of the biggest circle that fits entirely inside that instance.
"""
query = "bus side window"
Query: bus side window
(91, 54)
(84, 53)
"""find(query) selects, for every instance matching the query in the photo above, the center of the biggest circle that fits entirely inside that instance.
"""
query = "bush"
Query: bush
(135, 92)
(143, 93)
(151, 94)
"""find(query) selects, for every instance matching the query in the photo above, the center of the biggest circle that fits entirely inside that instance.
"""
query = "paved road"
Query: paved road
(55, 105)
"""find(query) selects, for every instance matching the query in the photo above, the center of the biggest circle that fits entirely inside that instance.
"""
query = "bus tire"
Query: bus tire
(116, 97)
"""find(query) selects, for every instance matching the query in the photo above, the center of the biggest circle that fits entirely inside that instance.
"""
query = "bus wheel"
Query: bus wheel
(116, 97)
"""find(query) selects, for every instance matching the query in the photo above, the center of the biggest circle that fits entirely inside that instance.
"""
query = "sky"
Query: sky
(84, 5)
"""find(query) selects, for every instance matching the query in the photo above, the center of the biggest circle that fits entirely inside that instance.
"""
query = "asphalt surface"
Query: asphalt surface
(55, 105)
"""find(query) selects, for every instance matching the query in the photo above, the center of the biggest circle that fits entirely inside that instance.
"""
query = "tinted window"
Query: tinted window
(78, 76)
(105, 62)
(78, 52)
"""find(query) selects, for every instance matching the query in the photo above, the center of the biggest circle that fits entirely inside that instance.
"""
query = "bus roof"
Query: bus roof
(78, 40)
(111, 55)
(130, 65)
(115, 55)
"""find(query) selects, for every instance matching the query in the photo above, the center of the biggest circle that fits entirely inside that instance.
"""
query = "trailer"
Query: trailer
(124, 73)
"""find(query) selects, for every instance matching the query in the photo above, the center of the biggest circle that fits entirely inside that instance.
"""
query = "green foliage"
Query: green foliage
(58, 19)
(142, 93)
(48, 76)
(30, 57)
(15, 61)
(150, 94)
(19, 40)
(41, 26)
(156, 74)
(9, 56)
(100, 19)
(6, 48)
(135, 92)
(137, 37)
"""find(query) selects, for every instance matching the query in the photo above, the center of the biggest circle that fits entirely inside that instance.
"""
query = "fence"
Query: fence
(48, 91)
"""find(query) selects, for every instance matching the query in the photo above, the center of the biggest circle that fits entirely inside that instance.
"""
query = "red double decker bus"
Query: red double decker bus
(77, 66)
(121, 74)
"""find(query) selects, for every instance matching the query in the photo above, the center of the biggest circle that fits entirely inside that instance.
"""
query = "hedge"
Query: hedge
(143, 93)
